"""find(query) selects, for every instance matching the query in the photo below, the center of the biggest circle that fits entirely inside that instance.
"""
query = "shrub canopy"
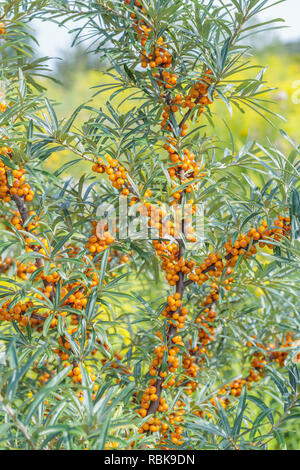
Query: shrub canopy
(174, 339)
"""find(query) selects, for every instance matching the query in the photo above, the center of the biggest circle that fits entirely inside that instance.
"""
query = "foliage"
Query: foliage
(208, 359)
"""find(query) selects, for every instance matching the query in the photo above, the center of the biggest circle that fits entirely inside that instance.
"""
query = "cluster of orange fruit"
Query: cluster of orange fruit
(159, 56)
(17, 222)
(75, 373)
(2, 29)
(52, 277)
(45, 376)
(174, 427)
(171, 428)
(97, 244)
(115, 257)
(207, 319)
(76, 376)
(199, 92)
(115, 171)
(165, 362)
(156, 216)
(44, 248)
(27, 313)
(168, 252)
(175, 311)
(5, 264)
(183, 164)
(172, 362)
(13, 182)
(184, 167)
(280, 356)
(206, 322)
(197, 352)
(23, 270)
(32, 246)
(262, 234)
(77, 299)
(169, 425)
(148, 396)
(63, 350)
(18, 312)
(258, 362)
(212, 265)
(244, 246)
(167, 422)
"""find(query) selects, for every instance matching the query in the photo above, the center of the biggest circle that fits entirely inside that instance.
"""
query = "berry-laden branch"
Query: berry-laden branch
(266, 353)
(184, 168)
(13, 187)
(185, 172)
(19, 425)
(64, 304)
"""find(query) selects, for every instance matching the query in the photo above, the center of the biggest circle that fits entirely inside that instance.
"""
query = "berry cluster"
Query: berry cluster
(13, 182)
(175, 311)
(5, 264)
(2, 29)
(18, 313)
(256, 371)
(32, 226)
(115, 171)
(97, 244)
(23, 270)
(258, 362)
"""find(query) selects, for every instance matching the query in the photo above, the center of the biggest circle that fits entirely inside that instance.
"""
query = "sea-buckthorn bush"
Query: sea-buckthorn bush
(181, 339)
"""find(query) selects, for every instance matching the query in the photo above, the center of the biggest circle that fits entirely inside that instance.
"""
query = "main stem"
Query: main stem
(172, 330)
